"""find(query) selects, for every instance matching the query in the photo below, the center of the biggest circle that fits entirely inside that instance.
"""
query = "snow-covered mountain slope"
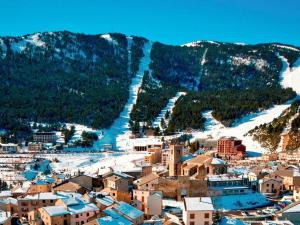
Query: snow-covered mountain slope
(169, 108)
(121, 125)
(289, 78)
(88, 78)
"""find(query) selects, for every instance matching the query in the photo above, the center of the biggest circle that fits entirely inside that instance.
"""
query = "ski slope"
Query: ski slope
(169, 107)
(121, 124)
(289, 77)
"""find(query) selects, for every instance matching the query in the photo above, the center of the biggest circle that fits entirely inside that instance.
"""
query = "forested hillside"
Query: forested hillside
(65, 77)
(70, 77)
(230, 79)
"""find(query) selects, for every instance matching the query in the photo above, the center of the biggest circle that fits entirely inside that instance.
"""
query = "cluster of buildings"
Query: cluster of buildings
(173, 186)
(41, 141)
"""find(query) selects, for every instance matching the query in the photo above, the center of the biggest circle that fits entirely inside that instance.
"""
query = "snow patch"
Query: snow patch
(203, 57)
(3, 49)
(197, 43)
(129, 44)
(290, 77)
(34, 40)
(109, 38)
(287, 47)
(259, 63)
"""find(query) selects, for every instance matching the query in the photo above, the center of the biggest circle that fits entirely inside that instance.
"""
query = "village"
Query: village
(156, 182)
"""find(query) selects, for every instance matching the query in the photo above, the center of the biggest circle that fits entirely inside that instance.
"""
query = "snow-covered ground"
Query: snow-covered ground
(289, 78)
(94, 164)
(169, 107)
(120, 128)
(109, 39)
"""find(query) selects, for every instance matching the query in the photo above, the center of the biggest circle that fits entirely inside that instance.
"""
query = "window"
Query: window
(77, 223)
(267, 185)
(192, 223)
(206, 215)
(87, 214)
(192, 216)
(77, 216)
(206, 223)
(51, 201)
(44, 201)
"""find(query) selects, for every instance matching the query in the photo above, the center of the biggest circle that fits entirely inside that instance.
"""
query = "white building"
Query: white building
(197, 211)
(9, 148)
(148, 201)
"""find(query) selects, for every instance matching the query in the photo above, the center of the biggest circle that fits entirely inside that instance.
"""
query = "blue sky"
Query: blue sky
(167, 21)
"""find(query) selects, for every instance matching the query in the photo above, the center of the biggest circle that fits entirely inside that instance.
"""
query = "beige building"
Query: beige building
(69, 211)
(117, 183)
(175, 154)
(181, 186)
(288, 178)
(153, 156)
(34, 202)
(202, 165)
(39, 187)
(198, 211)
(296, 191)
(148, 201)
(35, 146)
(147, 182)
(271, 184)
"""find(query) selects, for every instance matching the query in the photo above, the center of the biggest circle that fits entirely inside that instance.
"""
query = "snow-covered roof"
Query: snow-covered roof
(198, 204)
(5, 194)
(129, 210)
(294, 209)
(9, 200)
(108, 220)
(106, 200)
(56, 210)
(116, 216)
(223, 177)
(72, 201)
(42, 196)
(232, 221)
(81, 208)
(217, 161)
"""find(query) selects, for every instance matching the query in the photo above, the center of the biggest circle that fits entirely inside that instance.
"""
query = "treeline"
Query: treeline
(227, 106)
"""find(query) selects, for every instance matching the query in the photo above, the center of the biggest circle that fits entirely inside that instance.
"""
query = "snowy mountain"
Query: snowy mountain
(98, 80)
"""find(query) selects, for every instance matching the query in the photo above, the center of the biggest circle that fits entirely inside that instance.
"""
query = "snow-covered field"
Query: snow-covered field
(95, 163)
(120, 128)
(169, 107)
